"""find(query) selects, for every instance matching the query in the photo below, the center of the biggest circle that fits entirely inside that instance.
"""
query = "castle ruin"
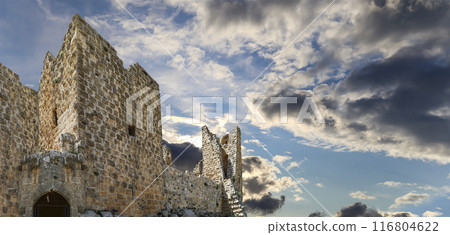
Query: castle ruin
(68, 147)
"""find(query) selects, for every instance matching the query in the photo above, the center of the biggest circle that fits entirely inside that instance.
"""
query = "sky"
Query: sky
(376, 70)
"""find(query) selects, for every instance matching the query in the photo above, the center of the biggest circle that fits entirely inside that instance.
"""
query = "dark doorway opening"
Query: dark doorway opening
(51, 204)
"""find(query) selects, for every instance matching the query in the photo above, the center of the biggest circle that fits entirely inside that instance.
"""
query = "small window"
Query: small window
(55, 117)
(132, 130)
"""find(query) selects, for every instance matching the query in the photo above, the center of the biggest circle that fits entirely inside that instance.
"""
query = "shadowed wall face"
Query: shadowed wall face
(18, 135)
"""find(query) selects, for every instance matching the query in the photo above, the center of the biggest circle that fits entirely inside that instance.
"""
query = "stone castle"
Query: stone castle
(68, 148)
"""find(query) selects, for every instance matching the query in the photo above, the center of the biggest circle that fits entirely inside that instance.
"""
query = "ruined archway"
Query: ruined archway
(51, 204)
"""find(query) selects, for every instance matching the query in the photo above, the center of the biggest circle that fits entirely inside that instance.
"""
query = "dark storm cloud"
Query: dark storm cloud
(265, 205)
(358, 210)
(235, 11)
(406, 17)
(272, 110)
(388, 140)
(329, 122)
(249, 163)
(415, 85)
(255, 185)
(358, 126)
(329, 103)
(380, 3)
(317, 214)
(400, 214)
(188, 159)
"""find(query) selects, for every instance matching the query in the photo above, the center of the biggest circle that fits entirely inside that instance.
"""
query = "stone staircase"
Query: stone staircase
(234, 200)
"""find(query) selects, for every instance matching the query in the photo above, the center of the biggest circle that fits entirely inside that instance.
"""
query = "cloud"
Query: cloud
(396, 20)
(260, 177)
(318, 214)
(281, 159)
(407, 92)
(361, 210)
(358, 210)
(265, 205)
(384, 95)
(395, 184)
(388, 105)
(361, 195)
(49, 14)
(292, 165)
(432, 214)
(398, 214)
(186, 160)
(298, 198)
(411, 198)
(320, 185)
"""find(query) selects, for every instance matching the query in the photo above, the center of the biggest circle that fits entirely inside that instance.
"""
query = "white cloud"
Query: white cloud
(171, 135)
(298, 198)
(432, 213)
(255, 141)
(398, 214)
(361, 195)
(395, 184)
(49, 14)
(281, 159)
(411, 198)
(292, 165)
(320, 185)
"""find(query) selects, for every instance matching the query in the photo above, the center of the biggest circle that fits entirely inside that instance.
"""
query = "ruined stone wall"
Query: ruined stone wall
(18, 135)
(233, 149)
(222, 162)
(120, 166)
(188, 190)
(212, 156)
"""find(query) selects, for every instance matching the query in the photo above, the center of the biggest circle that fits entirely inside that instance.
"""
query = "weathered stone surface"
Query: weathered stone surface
(186, 212)
(18, 135)
(106, 214)
(186, 189)
(89, 213)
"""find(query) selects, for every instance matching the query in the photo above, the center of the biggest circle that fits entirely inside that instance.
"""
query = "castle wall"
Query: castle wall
(188, 190)
(18, 134)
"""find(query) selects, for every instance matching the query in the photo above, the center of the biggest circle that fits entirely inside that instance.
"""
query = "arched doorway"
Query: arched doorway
(51, 204)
